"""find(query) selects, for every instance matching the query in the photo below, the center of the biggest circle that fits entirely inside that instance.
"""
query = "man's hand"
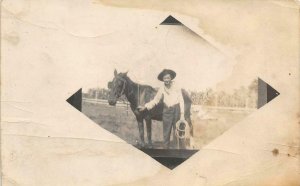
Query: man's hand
(141, 108)
(182, 117)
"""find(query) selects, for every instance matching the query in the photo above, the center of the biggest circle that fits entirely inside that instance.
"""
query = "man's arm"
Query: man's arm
(155, 100)
(181, 104)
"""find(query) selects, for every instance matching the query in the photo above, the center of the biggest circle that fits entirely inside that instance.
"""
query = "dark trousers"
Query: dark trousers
(170, 116)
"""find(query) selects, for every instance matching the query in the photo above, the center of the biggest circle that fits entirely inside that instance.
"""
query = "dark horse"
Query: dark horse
(138, 95)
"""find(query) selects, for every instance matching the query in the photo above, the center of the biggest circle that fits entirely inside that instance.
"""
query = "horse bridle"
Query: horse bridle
(123, 87)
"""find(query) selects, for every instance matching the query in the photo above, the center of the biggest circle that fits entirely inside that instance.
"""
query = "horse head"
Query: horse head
(117, 87)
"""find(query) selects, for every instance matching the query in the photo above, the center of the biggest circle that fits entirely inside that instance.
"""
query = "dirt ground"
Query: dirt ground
(121, 122)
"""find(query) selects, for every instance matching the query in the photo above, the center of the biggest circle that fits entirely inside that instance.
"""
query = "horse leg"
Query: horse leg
(149, 132)
(141, 132)
(190, 142)
(189, 121)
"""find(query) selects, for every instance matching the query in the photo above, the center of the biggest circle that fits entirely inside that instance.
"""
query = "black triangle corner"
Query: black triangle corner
(170, 20)
(76, 100)
(266, 93)
(272, 93)
(170, 158)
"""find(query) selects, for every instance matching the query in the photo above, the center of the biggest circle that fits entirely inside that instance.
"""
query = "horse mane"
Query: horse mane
(130, 82)
(135, 92)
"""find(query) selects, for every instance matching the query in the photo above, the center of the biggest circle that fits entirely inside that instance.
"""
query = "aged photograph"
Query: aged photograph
(154, 93)
(167, 116)
(167, 96)
(169, 92)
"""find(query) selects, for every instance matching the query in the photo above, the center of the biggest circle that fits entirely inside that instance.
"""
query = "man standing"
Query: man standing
(173, 110)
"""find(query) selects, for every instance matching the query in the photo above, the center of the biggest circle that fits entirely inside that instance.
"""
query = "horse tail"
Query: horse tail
(187, 109)
(187, 103)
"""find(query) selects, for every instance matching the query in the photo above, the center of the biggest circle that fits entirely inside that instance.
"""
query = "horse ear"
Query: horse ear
(115, 72)
(125, 73)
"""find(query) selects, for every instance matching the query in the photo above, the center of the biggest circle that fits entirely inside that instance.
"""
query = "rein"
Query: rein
(183, 134)
(124, 85)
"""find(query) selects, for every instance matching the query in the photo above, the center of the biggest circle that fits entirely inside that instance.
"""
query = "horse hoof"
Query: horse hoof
(150, 146)
(141, 145)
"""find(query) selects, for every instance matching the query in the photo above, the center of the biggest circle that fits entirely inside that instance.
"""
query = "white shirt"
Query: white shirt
(171, 96)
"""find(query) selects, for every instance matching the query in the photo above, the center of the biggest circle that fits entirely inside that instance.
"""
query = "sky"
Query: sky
(197, 63)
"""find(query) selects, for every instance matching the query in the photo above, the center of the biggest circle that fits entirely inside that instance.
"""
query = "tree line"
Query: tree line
(244, 96)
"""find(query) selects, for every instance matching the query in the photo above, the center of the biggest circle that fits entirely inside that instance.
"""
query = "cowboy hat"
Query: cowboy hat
(164, 72)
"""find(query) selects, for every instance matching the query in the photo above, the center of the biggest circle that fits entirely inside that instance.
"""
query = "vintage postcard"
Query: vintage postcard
(155, 93)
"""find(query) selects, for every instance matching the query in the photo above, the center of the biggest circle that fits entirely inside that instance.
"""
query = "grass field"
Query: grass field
(122, 123)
